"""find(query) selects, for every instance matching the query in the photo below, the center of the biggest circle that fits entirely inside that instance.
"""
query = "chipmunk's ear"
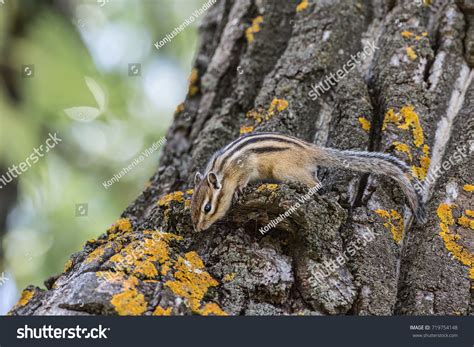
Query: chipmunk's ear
(197, 178)
(213, 180)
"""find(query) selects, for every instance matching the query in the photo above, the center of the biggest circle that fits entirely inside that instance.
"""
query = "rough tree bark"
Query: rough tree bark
(258, 59)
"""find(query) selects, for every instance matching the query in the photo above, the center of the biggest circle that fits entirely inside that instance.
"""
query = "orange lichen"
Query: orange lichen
(468, 188)
(139, 257)
(95, 255)
(245, 130)
(403, 148)
(466, 222)
(191, 281)
(449, 237)
(129, 302)
(254, 28)
(193, 80)
(364, 123)
(267, 186)
(168, 198)
(394, 222)
(411, 53)
(280, 104)
(302, 5)
(25, 298)
(445, 214)
(123, 225)
(212, 308)
(160, 311)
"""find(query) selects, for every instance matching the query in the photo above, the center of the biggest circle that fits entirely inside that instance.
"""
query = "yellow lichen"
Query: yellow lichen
(123, 225)
(411, 53)
(302, 5)
(179, 108)
(95, 255)
(394, 222)
(256, 115)
(412, 120)
(424, 33)
(407, 119)
(407, 34)
(68, 265)
(191, 281)
(469, 213)
(466, 222)
(468, 188)
(390, 117)
(260, 114)
(421, 171)
(193, 80)
(254, 28)
(364, 123)
(160, 311)
(129, 303)
(449, 237)
(168, 198)
(212, 308)
(139, 257)
(445, 214)
(245, 130)
(280, 104)
(229, 277)
(25, 298)
(403, 148)
(267, 186)
(190, 191)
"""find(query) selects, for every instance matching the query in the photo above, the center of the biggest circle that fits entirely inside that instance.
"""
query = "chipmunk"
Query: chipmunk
(272, 156)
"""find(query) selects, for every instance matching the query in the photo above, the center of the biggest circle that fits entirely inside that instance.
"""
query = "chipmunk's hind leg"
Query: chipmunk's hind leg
(298, 174)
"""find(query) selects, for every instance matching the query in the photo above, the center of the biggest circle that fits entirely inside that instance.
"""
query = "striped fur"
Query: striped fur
(276, 157)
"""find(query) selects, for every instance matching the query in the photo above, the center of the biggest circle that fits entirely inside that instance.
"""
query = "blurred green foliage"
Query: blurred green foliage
(69, 43)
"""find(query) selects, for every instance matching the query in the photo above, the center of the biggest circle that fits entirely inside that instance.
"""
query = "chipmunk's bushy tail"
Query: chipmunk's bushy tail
(379, 164)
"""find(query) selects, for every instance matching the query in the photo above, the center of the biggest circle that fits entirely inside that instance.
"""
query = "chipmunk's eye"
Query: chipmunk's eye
(207, 208)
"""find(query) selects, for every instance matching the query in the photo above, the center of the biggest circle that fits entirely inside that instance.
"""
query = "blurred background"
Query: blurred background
(87, 71)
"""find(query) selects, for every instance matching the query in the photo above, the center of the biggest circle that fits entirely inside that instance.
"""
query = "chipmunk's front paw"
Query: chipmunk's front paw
(238, 193)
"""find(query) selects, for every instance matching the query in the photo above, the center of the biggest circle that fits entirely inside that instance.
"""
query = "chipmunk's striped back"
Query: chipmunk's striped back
(258, 143)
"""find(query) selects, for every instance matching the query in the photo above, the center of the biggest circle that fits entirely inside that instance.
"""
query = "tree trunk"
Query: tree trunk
(350, 249)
